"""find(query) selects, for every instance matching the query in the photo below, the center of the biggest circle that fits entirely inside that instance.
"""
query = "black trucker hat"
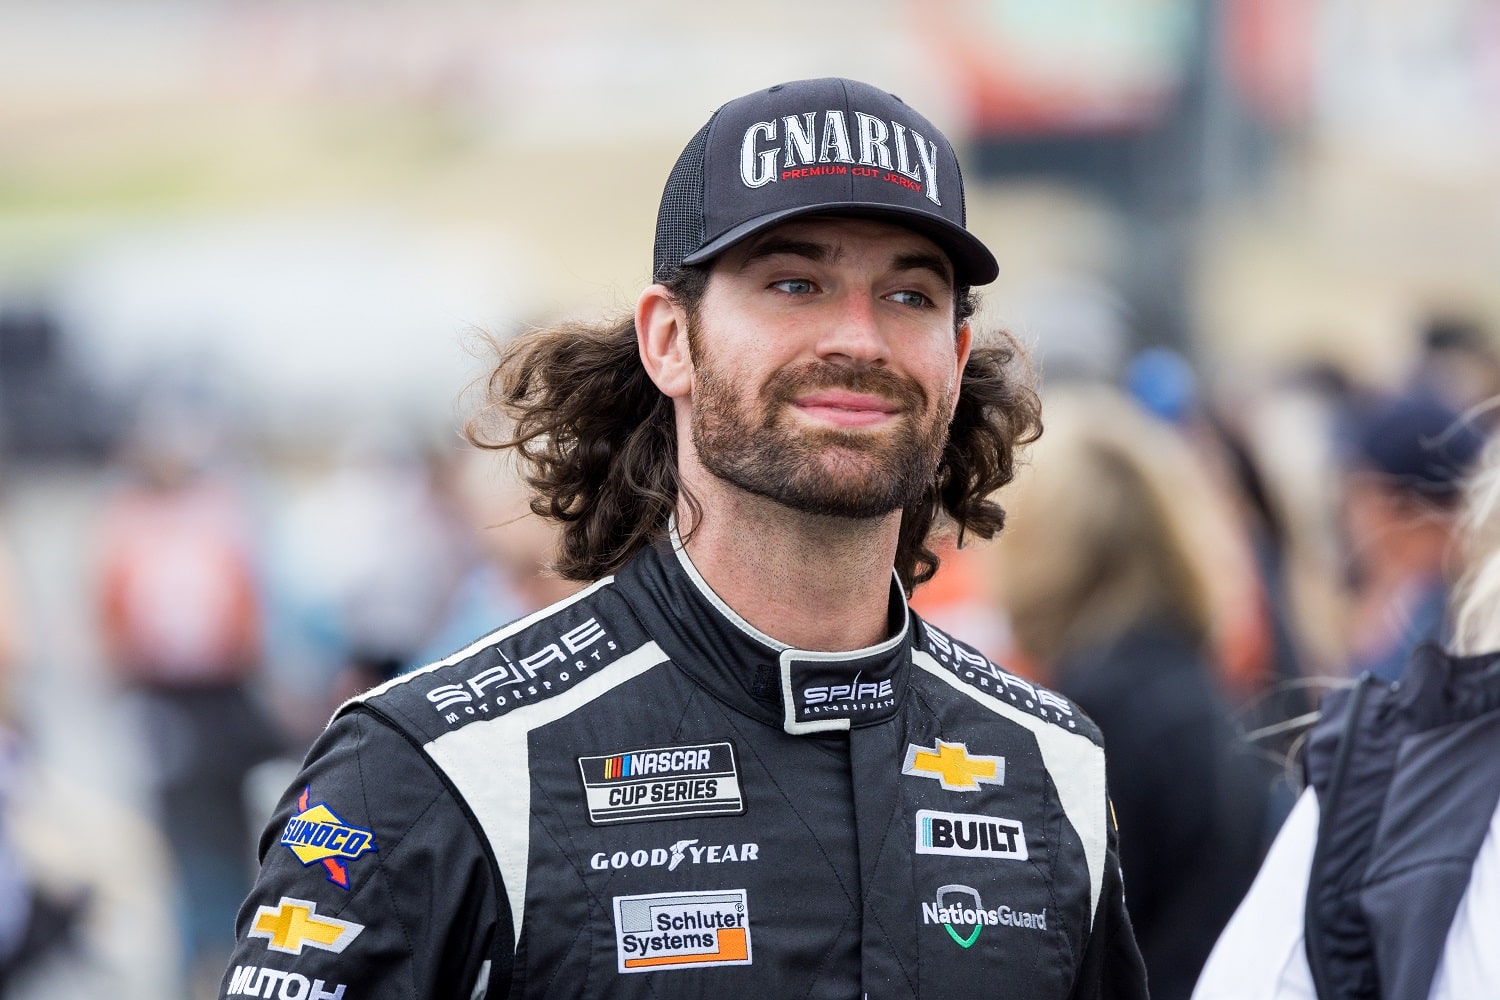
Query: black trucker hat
(814, 147)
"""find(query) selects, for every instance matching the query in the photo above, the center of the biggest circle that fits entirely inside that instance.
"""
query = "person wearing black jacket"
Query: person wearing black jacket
(737, 764)
(1385, 880)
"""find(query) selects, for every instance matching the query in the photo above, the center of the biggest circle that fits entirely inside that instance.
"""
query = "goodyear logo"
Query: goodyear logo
(318, 835)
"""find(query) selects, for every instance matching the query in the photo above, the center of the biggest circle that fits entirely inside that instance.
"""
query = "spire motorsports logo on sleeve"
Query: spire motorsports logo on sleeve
(958, 907)
(662, 783)
(317, 835)
(682, 930)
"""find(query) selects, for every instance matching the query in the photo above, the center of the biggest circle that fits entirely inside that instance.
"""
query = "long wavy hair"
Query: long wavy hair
(598, 441)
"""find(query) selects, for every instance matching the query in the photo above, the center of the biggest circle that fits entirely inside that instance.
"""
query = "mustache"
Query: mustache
(789, 383)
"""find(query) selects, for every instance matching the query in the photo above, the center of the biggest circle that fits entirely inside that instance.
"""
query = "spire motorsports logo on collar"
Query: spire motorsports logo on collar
(959, 906)
(819, 694)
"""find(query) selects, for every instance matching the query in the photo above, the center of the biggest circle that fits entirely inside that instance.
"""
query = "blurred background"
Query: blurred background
(250, 254)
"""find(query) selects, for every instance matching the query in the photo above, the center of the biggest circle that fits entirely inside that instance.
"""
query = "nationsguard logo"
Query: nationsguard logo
(959, 906)
(294, 924)
(682, 930)
(661, 783)
(953, 766)
(316, 835)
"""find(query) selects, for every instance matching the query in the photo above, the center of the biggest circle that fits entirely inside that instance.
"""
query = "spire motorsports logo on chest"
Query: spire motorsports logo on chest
(317, 835)
(822, 144)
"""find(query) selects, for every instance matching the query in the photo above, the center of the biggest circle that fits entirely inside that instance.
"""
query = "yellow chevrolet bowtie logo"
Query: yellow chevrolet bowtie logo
(953, 766)
(294, 925)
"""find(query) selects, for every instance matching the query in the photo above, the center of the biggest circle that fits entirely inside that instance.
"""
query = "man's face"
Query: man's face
(826, 366)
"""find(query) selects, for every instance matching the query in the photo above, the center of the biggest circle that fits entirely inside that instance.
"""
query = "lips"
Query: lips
(846, 409)
(843, 399)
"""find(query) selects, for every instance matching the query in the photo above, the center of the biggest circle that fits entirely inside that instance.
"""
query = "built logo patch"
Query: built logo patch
(316, 835)
(967, 835)
(682, 930)
(662, 783)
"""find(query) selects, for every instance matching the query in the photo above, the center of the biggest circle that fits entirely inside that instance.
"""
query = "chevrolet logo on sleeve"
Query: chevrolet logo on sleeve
(953, 766)
(294, 924)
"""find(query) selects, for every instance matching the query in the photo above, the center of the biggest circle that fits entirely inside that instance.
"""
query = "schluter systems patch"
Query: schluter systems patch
(682, 930)
(662, 783)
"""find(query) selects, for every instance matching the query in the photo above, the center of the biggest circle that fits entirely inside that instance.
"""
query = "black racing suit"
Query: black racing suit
(634, 793)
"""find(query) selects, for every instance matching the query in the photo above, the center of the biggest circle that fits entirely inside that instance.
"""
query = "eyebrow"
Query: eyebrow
(774, 246)
(922, 260)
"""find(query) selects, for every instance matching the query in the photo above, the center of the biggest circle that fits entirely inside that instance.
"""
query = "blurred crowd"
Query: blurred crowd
(1193, 560)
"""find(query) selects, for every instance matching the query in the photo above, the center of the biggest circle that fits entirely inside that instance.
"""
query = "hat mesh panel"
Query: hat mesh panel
(679, 221)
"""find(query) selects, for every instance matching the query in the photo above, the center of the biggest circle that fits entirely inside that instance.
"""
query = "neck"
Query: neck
(812, 582)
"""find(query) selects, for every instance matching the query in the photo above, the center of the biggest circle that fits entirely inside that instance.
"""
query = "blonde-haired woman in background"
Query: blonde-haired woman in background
(1385, 880)
(1117, 553)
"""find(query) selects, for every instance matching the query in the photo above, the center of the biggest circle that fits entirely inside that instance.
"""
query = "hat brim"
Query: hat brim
(973, 264)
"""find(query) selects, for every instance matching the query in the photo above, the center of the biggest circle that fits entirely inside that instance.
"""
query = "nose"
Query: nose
(853, 335)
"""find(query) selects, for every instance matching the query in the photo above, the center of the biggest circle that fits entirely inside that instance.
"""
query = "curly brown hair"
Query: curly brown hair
(598, 440)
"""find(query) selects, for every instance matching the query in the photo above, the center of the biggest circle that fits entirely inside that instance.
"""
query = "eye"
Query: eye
(794, 286)
(907, 297)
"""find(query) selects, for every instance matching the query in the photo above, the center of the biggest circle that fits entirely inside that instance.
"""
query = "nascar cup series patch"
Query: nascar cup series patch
(682, 930)
(318, 836)
(702, 779)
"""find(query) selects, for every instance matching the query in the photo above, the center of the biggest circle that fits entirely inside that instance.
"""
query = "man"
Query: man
(736, 764)
(1409, 456)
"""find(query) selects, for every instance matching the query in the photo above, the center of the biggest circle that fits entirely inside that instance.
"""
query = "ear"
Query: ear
(963, 342)
(661, 338)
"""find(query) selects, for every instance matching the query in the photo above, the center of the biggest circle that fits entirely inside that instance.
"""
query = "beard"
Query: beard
(828, 471)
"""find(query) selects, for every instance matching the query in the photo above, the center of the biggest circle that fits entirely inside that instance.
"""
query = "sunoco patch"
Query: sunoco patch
(662, 783)
(317, 835)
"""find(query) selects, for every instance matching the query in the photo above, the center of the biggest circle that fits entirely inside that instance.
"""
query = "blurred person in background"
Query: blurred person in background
(1105, 574)
(1385, 880)
(35, 921)
(1459, 363)
(1407, 455)
(511, 552)
(15, 891)
(363, 558)
(180, 615)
